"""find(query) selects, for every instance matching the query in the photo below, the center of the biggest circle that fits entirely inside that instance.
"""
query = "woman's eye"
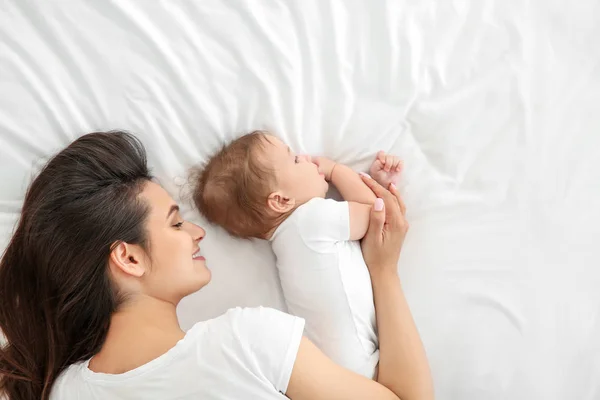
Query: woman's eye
(178, 225)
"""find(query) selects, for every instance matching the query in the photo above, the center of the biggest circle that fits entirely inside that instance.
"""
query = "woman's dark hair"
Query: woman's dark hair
(56, 296)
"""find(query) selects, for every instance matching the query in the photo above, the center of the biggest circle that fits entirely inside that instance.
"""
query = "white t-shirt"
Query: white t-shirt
(325, 281)
(243, 354)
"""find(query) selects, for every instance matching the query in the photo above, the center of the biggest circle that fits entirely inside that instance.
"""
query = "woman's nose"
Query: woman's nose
(195, 231)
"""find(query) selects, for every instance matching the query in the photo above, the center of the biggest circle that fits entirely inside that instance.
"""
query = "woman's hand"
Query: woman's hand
(387, 229)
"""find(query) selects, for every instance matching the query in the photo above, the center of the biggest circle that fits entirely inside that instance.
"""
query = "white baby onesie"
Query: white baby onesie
(325, 281)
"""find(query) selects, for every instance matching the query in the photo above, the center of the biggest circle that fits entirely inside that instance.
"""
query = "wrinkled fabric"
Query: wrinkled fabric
(492, 104)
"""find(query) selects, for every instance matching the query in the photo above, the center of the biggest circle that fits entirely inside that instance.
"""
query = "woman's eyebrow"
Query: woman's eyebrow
(174, 208)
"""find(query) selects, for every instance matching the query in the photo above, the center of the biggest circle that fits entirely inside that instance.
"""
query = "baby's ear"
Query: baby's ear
(280, 203)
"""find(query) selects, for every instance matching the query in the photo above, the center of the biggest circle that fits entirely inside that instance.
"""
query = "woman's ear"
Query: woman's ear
(279, 203)
(127, 259)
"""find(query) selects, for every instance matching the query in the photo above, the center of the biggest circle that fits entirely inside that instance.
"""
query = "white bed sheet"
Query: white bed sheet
(493, 104)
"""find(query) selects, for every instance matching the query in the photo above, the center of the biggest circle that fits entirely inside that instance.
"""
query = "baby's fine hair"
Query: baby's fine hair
(232, 188)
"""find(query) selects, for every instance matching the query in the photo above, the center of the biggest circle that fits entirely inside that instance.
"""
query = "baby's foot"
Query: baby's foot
(386, 169)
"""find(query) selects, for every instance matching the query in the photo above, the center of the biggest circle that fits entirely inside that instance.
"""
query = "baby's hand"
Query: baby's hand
(386, 169)
(325, 166)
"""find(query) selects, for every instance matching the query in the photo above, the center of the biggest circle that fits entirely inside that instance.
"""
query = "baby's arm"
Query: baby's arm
(359, 197)
(353, 190)
(359, 219)
(347, 182)
(385, 170)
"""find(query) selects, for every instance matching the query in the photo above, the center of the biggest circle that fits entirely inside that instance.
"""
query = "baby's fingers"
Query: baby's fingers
(398, 164)
(389, 162)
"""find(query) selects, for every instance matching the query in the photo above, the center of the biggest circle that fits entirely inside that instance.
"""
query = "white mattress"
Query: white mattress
(494, 106)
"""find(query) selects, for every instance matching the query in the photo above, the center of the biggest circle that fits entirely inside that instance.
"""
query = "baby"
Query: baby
(257, 187)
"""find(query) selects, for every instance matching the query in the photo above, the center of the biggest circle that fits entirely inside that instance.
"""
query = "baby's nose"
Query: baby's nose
(306, 158)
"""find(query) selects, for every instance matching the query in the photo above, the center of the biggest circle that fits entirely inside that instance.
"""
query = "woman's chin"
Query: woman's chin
(200, 278)
(206, 276)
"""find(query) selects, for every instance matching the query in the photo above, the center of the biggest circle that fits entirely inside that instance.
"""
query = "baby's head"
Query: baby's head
(251, 185)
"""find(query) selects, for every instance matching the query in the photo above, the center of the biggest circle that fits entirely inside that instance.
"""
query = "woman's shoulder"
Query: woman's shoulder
(268, 338)
(257, 344)
(252, 327)
(243, 318)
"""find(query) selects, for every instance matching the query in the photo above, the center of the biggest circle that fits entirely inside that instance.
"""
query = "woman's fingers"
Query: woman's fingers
(377, 219)
(394, 190)
(379, 190)
(392, 208)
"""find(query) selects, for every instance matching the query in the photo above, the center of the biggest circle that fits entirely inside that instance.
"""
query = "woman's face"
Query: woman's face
(176, 268)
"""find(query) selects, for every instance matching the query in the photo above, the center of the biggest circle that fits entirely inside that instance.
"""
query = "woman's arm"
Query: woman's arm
(316, 377)
(403, 368)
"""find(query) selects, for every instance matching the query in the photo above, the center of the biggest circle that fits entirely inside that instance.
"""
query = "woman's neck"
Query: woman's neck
(142, 330)
(147, 311)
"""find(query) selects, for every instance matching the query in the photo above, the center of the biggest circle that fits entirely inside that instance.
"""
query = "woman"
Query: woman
(92, 276)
